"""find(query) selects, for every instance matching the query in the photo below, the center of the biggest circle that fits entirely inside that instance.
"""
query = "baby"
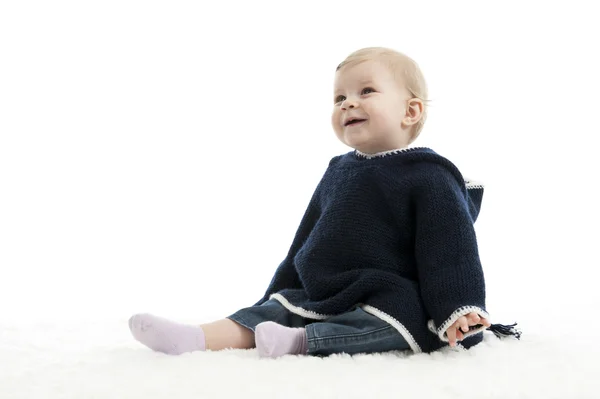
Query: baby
(385, 257)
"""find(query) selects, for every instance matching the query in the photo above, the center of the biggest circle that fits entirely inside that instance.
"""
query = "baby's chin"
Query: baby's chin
(357, 139)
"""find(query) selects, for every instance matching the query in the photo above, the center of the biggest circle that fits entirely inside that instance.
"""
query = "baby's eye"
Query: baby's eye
(339, 99)
(368, 90)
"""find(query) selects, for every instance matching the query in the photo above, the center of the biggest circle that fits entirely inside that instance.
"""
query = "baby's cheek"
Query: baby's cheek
(335, 120)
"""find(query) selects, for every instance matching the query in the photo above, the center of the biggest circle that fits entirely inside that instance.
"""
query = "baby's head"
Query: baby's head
(385, 92)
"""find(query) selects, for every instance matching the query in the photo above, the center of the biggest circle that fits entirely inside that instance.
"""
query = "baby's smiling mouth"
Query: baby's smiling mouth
(354, 121)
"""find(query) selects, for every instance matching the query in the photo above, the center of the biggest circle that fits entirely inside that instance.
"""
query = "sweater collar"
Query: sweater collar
(382, 154)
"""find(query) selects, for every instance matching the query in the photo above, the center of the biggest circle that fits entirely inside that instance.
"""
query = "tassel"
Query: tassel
(502, 331)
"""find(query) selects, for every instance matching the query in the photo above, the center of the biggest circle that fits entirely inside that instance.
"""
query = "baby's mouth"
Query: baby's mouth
(354, 122)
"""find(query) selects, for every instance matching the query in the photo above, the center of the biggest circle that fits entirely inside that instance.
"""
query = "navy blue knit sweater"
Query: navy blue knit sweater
(393, 234)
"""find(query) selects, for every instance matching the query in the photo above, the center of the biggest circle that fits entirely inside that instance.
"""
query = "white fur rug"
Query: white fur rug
(101, 360)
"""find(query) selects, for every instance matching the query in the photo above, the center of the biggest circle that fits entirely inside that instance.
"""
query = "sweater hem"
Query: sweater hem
(472, 184)
(307, 314)
(396, 324)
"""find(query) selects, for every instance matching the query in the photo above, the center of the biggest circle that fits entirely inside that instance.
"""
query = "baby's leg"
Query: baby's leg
(354, 332)
(174, 338)
(224, 334)
(274, 340)
(235, 332)
(270, 313)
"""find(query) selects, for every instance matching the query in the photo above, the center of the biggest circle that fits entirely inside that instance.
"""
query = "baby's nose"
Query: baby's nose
(347, 104)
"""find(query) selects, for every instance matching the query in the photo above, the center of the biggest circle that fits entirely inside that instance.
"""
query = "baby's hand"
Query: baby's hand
(463, 322)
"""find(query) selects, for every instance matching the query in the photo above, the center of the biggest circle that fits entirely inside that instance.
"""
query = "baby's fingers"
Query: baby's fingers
(474, 319)
(451, 333)
(485, 322)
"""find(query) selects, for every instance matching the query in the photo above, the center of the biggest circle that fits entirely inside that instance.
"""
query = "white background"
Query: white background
(158, 156)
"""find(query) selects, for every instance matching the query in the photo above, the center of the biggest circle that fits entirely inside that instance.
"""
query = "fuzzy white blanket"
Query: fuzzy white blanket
(101, 360)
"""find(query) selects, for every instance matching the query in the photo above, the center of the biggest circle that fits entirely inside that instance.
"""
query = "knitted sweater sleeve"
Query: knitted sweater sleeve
(448, 265)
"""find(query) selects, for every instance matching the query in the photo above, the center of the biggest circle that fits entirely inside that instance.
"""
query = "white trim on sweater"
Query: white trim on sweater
(384, 153)
(472, 184)
(396, 324)
(308, 314)
(441, 331)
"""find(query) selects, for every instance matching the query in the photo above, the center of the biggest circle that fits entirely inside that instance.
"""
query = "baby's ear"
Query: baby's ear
(415, 109)
(414, 112)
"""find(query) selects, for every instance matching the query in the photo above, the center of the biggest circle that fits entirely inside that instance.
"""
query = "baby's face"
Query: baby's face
(368, 93)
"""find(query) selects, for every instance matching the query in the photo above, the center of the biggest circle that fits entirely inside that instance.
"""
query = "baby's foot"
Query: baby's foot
(275, 340)
(166, 336)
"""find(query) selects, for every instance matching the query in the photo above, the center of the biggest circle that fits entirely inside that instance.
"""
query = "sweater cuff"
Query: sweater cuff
(464, 310)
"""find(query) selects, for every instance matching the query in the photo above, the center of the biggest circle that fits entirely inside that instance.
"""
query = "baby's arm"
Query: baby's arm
(450, 273)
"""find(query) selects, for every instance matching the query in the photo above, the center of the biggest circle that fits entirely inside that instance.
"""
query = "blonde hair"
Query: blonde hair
(405, 70)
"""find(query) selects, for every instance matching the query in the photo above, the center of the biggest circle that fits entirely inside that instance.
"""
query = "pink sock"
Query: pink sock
(274, 340)
(166, 336)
